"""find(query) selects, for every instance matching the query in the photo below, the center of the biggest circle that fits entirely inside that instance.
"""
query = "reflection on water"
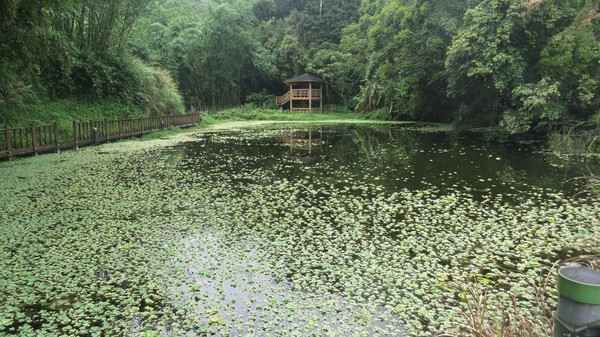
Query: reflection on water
(394, 157)
(365, 215)
(306, 146)
(235, 295)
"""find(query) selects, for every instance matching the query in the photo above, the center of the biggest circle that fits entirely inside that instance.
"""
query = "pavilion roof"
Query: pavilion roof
(305, 78)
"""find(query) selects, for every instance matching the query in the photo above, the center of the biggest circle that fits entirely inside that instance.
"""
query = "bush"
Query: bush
(262, 99)
(158, 93)
(118, 77)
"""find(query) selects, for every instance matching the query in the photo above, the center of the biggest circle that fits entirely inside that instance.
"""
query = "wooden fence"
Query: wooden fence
(38, 139)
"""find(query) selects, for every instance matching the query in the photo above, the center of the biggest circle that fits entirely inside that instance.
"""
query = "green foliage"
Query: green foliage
(262, 99)
(539, 101)
(25, 43)
(572, 59)
(404, 45)
(307, 39)
(340, 69)
(75, 51)
(477, 63)
(483, 60)
(252, 113)
(157, 94)
(64, 112)
(128, 80)
(98, 25)
(212, 50)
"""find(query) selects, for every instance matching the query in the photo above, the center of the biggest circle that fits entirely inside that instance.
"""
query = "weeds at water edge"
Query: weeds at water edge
(484, 319)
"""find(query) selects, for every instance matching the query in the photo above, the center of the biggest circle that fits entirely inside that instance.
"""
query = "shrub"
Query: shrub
(158, 93)
(262, 99)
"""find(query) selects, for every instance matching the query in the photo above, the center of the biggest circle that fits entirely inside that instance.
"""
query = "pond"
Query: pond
(283, 230)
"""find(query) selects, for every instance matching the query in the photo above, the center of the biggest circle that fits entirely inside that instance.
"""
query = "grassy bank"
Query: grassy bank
(64, 112)
(259, 114)
(244, 114)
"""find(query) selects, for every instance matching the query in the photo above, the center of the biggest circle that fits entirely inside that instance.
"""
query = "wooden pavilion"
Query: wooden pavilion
(305, 94)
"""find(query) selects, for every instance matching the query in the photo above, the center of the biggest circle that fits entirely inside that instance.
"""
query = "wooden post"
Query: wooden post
(56, 140)
(321, 101)
(8, 144)
(34, 139)
(120, 128)
(309, 96)
(291, 97)
(94, 134)
(76, 135)
(106, 133)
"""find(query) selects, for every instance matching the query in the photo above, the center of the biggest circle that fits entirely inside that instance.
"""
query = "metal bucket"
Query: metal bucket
(578, 313)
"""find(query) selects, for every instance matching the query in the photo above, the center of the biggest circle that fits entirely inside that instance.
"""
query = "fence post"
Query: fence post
(76, 135)
(106, 133)
(8, 144)
(94, 135)
(90, 128)
(34, 139)
(56, 140)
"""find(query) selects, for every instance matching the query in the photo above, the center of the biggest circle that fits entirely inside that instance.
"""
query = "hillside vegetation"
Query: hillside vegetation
(508, 63)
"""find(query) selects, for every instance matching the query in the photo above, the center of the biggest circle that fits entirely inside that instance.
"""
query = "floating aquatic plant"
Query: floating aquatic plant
(234, 232)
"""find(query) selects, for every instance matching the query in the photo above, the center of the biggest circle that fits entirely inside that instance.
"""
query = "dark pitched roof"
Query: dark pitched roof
(305, 78)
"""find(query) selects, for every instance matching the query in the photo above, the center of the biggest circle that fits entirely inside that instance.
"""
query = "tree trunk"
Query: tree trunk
(321, 8)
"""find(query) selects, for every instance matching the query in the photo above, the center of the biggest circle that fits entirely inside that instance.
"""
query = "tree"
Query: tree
(212, 49)
(405, 44)
(26, 40)
(484, 63)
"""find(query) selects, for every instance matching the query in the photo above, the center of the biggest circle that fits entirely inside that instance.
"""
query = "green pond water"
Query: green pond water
(279, 230)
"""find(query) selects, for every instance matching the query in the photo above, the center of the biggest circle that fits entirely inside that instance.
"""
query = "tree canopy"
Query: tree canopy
(509, 63)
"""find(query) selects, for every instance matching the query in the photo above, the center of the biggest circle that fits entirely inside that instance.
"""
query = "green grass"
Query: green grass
(259, 114)
(251, 114)
(163, 133)
(64, 112)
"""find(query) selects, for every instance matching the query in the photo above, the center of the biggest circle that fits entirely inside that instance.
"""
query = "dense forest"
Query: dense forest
(508, 63)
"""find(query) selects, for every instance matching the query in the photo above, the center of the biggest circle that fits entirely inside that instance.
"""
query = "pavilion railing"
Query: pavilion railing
(300, 94)
(281, 100)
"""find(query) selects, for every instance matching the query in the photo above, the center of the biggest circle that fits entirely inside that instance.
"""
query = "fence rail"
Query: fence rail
(38, 139)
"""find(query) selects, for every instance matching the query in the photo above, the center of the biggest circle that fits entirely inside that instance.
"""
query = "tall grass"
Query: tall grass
(484, 318)
(157, 94)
